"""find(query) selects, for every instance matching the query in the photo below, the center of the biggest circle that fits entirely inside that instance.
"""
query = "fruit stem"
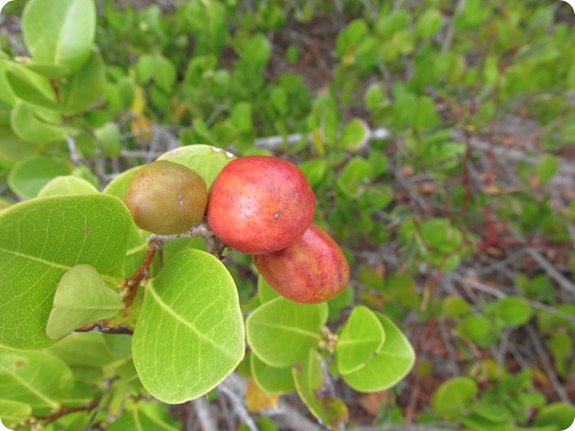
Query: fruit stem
(131, 284)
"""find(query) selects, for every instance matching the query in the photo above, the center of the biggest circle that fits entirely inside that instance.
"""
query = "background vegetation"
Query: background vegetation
(438, 137)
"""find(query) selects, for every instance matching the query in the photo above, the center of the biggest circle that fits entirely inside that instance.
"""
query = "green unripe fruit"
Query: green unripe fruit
(166, 198)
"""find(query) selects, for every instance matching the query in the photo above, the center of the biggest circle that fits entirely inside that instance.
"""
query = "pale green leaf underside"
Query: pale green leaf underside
(206, 160)
(281, 331)
(190, 334)
(40, 240)
(386, 368)
(81, 297)
(35, 378)
(361, 337)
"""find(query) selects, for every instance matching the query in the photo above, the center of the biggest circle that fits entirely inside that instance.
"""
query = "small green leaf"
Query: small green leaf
(241, 117)
(454, 306)
(12, 148)
(25, 87)
(429, 23)
(66, 231)
(514, 310)
(34, 378)
(84, 87)
(281, 332)
(206, 160)
(454, 397)
(265, 292)
(191, 323)
(109, 137)
(314, 171)
(361, 338)
(145, 68)
(386, 368)
(473, 327)
(355, 135)
(354, 178)
(66, 185)
(547, 167)
(310, 378)
(30, 127)
(81, 297)
(164, 73)
(60, 32)
(558, 414)
(271, 379)
(29, 176)
(14, 411)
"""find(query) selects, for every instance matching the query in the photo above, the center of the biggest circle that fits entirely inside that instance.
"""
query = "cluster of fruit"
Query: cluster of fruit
(258, 205)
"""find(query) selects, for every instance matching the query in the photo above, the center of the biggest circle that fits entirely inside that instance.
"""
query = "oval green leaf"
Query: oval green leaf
(191, 324)
(454, 397)
(281, 331)
(386, 368)
(60, 32)
(66, 185)
(361, 338)
(29, 126)
(81, 297)
(271, 379)
(206, 160)
(34, 378)
(40, 240)
(29, 176)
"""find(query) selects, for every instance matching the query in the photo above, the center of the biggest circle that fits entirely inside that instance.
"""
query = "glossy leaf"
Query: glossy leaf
(265, 291)
(81, 297)
(454, 397)
(34, 378)
(281, 332)
(25, 87)
(29, 176)
(206, 160)
(14, 411)
(85, 86)
(386, 368)
(39, 241)
(361, 338)
(30, 127)
(191, 323)
(271, 379)
(140, 416)
(66, 185)
(315, 390)
(514, 310)
(60, 32)
(12, 148)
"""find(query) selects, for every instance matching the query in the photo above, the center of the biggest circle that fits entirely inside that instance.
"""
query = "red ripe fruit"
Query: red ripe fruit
(311, 271)
(260, 204)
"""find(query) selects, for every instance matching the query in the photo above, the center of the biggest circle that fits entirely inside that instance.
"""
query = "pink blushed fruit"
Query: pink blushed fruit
(312, 270)
(260, 204)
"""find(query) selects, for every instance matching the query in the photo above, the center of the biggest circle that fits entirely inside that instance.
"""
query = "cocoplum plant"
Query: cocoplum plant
(83, 293)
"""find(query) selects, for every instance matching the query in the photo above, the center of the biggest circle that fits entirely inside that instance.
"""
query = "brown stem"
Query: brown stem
(131, 284)
(63, 411)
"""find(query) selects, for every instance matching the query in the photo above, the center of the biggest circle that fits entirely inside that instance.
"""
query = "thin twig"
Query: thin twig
(239, 407)
(205, 414)
(542, 354)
